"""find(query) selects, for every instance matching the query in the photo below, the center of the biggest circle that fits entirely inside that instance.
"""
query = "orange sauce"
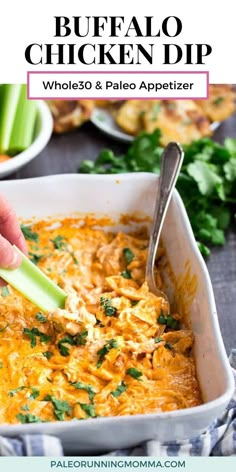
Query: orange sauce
(114, 350)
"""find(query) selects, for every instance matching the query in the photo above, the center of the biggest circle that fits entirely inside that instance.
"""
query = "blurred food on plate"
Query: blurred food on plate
(220, 104)
(178, 120)
(70, 114)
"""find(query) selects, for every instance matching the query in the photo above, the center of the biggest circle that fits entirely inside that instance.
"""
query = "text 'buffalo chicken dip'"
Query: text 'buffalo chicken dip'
(114, 350)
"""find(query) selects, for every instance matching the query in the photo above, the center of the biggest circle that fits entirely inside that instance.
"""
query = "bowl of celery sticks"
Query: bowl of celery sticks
(25, 127)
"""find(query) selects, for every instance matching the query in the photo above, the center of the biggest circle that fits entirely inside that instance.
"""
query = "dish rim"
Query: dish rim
(193, 411)
(118, 133)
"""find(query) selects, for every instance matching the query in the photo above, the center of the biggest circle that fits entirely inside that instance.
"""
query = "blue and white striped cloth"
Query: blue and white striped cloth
(219, 440)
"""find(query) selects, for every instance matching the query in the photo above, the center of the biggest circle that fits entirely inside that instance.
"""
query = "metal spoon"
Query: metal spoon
(171, 161)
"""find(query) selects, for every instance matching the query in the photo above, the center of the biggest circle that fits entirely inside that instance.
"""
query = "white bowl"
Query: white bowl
(44, 127)
(116, 195)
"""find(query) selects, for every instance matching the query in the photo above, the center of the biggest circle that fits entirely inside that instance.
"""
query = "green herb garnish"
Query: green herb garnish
(128, 255)
(135, 373)
(109, 310)
(158, 340)
(35, 393)
(35, 258)
(64, 350)
(78, 340)
(13, 392)
(126, 274)
(40, 317)
(88, 409)
(75, 260)
(28, 418)
(81, 338)
(5, 291)
(60, 407)
(134, 302)
(218, 100)
(119, 390)
(4, 328)
(29, 234)
(207, 182)
(111, 344)
(87, 388)
(168, 346)
(25, 408)
(169, 321)
(48, 354)
(59, 243)
(33, 333)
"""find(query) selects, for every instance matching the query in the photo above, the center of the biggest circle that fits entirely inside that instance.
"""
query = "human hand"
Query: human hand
(10, 233)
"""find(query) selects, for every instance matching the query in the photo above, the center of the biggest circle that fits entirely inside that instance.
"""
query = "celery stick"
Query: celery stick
(22, 134)
(32, 283)
(9, 99)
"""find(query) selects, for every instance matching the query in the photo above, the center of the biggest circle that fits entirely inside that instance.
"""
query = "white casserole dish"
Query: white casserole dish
(114, 195)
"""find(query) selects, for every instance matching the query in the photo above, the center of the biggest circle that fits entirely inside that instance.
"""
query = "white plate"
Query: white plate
(116, 195)
(103, 119)
(44, 127)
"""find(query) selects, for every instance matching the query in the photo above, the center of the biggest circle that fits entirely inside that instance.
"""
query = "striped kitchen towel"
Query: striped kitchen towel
(219, 440)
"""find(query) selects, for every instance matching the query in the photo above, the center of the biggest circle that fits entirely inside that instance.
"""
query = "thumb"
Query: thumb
(9, 258)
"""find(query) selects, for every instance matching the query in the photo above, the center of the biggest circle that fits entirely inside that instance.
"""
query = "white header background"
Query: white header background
(23, 22)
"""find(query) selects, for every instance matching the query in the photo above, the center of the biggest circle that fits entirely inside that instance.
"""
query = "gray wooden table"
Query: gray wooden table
(63, 155)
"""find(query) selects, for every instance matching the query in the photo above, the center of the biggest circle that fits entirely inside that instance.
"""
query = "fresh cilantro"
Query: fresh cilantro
(75, 260)
(218, 101)
(128, 255)
(48, 354)
(78, 340)
(88, 409)
(109, 310)
(13, 392)
(33, 333)
(64, 350)
(168, 346)
(111, 344)
(119, 390)
(207, 182)
(169, 321)
(81, 338)
(61, 407)
(4, 328)
(135, 373)
(25, 408)
(134, 302)
(29, 234)
(59, 243)
(28, 418)
(35, 393)
(87, 388)
(40, 317)
(5, 291)
(126, 274)
(158, 340)
(99, 323)
(35, 258)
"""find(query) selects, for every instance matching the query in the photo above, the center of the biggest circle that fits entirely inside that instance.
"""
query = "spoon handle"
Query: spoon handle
(171, 161)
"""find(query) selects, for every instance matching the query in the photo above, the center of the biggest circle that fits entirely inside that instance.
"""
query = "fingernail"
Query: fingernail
(16, 260)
